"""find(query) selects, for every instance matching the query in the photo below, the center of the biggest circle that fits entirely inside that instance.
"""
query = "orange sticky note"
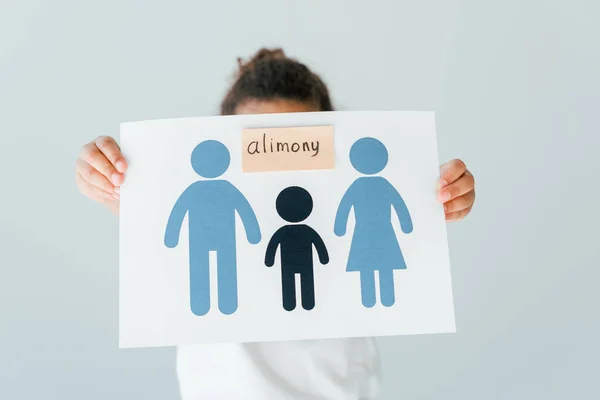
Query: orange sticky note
(287, 149)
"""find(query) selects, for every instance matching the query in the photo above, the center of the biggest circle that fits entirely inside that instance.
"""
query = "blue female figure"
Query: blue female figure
(374, 244)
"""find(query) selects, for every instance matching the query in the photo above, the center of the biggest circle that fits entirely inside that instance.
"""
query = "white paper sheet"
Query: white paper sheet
(155, 303)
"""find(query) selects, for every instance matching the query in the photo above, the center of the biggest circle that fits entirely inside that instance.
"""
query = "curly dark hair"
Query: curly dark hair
(271, 75)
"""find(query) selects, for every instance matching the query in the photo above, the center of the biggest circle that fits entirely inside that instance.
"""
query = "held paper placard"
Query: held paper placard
(282, 227)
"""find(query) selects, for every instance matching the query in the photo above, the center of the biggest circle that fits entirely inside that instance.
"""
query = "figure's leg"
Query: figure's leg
(367, 286)
(307, 280)
(227, 280)
(288, 289)
(386, 285)
(199, 281)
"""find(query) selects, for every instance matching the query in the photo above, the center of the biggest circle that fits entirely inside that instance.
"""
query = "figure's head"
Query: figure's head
(368, 156)
(210, 159)
(294, 204)
(270, 82)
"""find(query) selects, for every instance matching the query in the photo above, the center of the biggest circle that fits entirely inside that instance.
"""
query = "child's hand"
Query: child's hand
(99, 171)
(456, 190)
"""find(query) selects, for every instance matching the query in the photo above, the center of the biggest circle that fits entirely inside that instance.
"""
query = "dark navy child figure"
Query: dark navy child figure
(294, 204)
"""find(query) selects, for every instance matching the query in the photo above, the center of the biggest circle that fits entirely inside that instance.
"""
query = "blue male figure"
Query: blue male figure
(212, 205)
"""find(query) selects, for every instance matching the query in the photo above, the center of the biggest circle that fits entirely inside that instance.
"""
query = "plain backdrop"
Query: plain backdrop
(516, 90)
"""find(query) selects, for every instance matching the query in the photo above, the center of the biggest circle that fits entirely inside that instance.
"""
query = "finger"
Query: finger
(114, 207)
(460, 203)
(463, 185)
(109, 147)
(450, 172)
(93, 177)
(458, 215)
(93, 192)
(95, 158)
(111, 151)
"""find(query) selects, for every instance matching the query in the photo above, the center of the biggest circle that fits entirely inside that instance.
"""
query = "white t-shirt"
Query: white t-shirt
(332, 369)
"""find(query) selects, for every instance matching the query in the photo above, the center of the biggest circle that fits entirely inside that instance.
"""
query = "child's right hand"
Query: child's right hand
(100, 171)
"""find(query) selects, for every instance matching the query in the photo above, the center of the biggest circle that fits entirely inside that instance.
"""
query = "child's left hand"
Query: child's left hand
(456, 190)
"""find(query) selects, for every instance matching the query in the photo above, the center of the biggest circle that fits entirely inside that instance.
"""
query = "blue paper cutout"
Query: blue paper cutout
(374, 243)
(212, 205)
(294, 204)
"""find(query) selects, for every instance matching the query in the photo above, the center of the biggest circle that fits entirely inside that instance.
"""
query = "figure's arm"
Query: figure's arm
(321, 249)
(272, 249)
(401, 210)
(176, 219)
(247, 216)
(343, 211)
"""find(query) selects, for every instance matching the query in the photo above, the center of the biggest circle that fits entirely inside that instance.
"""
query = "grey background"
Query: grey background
(516, 89)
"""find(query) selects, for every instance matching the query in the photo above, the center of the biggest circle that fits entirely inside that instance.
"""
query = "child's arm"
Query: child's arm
(321, 249)
(272, 249)
(180, 208)
(401, 210)
(343, 211)
(247, 216)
